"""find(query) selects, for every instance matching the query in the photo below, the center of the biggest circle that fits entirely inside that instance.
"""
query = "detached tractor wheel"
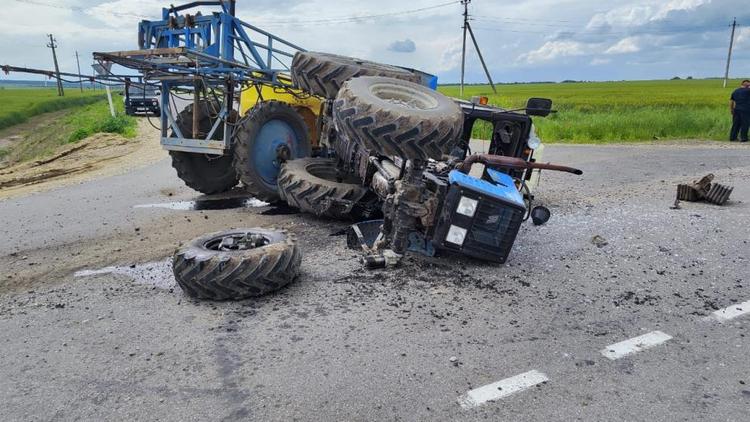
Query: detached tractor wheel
(323, 74)
(205, 173)
(312, 185)
(397, 118)
(237, 264)
(269, 134)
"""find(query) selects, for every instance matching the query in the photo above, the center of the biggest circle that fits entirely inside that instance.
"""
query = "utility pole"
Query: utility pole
(467, 28)
(80, 77)
(729, 55)
(53, 46)
(463, 49)
(481, 59)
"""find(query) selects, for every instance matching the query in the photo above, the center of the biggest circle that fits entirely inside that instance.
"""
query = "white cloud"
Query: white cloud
(641, 14)
(551, 50)
(126, 13)
(624, 16)
(666, 32)
(451, 57)
(743, 36)
(625, 45)
(678, 5)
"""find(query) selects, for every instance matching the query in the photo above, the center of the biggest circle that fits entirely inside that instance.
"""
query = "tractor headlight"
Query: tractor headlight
(467, 206)
(456, 235)
(534, 142)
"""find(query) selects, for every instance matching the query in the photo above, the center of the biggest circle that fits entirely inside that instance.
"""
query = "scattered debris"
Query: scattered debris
(599, 241)
(719, 194)
(208, 204)
(696, 190)
(540, 215)
(703, 189)
(158, 274)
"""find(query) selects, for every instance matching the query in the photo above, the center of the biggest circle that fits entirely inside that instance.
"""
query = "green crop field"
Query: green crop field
(618, 111)
(17, 105)
(83, 114)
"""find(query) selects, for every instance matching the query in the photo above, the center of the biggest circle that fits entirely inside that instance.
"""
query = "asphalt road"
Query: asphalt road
(435, 339)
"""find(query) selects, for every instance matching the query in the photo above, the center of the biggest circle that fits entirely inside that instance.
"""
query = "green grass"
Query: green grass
(596, 112)
(96, 118)
(18, 105)
(75, 124)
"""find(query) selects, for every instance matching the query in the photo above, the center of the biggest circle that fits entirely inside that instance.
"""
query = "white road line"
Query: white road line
(502, 388)
(733, 311)
(634, 345)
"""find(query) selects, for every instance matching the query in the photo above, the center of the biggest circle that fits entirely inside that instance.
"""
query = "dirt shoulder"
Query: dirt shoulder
(99, 155)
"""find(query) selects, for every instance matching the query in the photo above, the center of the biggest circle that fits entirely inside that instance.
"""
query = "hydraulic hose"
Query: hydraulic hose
(511, 162)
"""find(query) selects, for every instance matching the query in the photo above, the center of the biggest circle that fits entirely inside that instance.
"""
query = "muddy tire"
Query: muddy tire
(397, 118)
(312, 186)
(259, 134)
(323, 74)
(207, 174)
(206, 271)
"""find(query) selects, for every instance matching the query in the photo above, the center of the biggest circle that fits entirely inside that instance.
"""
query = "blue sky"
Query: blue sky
(523, 40)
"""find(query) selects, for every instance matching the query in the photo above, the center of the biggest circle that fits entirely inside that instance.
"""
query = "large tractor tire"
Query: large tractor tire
(269, 134)
(207, 174)
(397, 118)
(324, 74)
(312, 185)
(237, 264)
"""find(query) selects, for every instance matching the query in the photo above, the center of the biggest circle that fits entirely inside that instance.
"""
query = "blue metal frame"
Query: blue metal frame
(212, 42)
(219, 50)
(503, 189)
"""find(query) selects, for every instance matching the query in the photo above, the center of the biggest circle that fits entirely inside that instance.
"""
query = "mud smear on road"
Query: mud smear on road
(158, 274)
(208, 204)
(281, 209)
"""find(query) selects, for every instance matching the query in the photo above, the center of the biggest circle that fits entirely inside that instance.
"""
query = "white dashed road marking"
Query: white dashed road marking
(502, 388)
(733, 311)
(634, 345)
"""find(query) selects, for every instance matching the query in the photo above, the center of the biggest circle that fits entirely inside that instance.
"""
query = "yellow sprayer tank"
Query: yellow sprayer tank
(306, 105)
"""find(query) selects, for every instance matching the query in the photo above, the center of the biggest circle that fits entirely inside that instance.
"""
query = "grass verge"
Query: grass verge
(75, 124)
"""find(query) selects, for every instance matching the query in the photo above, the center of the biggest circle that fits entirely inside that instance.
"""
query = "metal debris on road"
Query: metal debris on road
(703, 189)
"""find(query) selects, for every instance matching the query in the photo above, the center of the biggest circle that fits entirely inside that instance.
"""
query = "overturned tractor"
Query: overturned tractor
(334, 136)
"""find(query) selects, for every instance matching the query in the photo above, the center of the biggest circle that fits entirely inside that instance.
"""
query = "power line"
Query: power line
(516, 22)
(589, 31)
(508, 30)
(79, 9)
(520, 19)
(355, 18)
(509, 21)
(333, 20)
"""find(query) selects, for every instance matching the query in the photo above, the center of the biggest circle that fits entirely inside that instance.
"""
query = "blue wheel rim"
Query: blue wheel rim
(273, 134)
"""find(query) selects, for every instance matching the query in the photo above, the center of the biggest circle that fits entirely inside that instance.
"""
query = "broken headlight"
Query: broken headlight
(456, 235)
(534, 142)
(467, 206)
